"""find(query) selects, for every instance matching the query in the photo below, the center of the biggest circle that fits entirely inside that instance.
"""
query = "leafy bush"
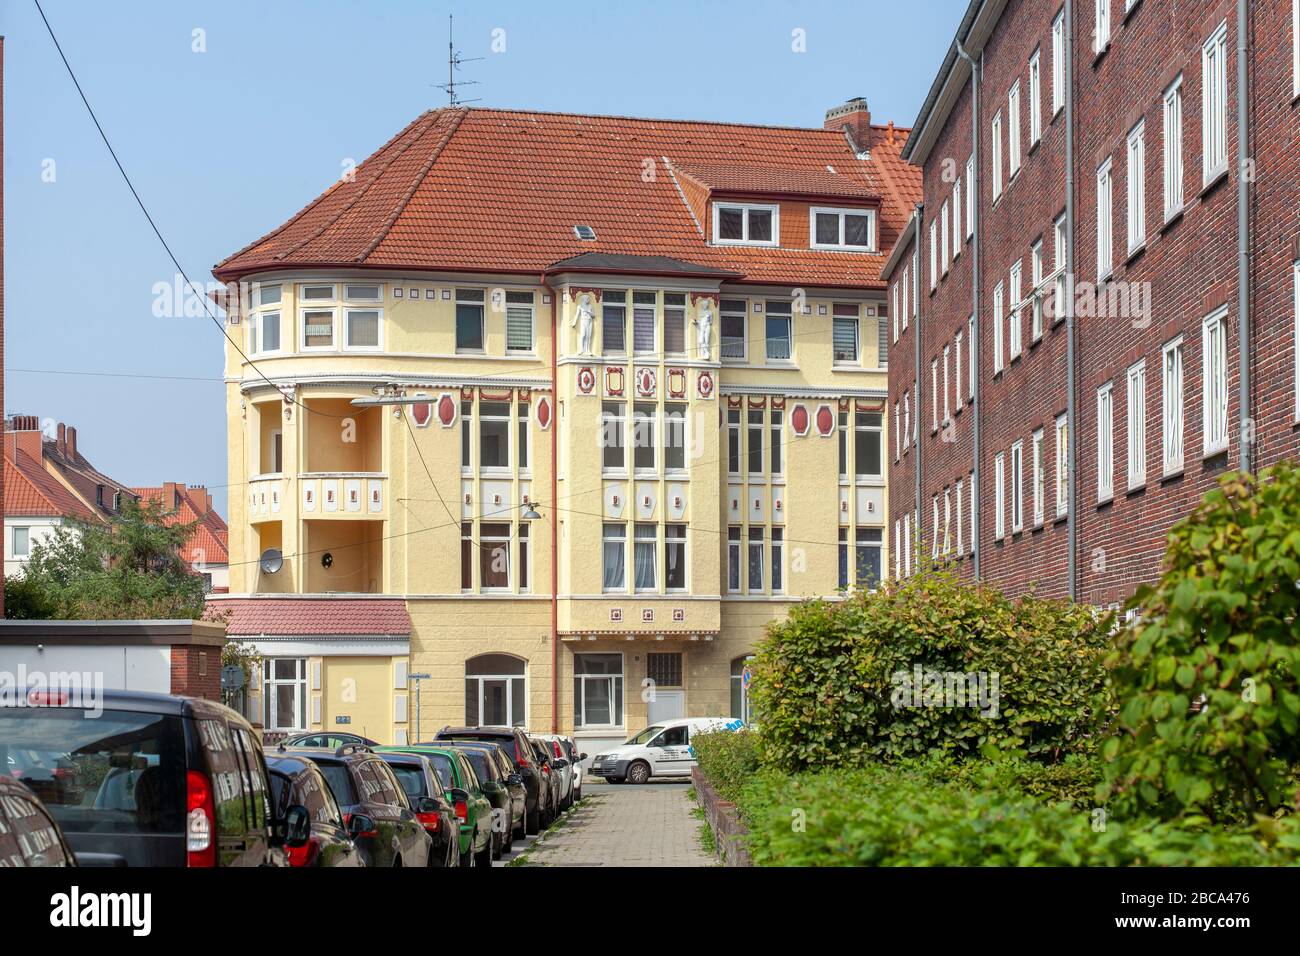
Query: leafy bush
(886, 816)
(728, 758)
(1209, 677)
(835, 684)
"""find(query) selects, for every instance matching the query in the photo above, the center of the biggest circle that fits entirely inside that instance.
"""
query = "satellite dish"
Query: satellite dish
(271, 561)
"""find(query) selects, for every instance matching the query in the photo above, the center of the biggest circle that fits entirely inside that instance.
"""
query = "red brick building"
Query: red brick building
(1087, 154)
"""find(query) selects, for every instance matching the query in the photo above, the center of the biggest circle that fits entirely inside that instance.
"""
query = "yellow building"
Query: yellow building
(540, 419)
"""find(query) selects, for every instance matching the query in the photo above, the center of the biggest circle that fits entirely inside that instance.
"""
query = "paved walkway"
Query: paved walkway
(626, 825)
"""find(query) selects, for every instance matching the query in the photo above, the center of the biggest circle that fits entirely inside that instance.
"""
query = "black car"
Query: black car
(432, 807)
(296, 780)
(331, 740)
(509, 804)
(150, 779)
(28, 834)
(550, 778)
(378, 816)
(514, 741)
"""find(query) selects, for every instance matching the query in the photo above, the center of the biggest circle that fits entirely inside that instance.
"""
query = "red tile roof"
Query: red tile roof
(31, 491)
(209, 544)
(500, 190)
(275, 617)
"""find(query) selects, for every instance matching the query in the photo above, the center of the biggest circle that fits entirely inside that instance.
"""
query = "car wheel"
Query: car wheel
(521, 831)
(485, 856)
(533, 821)
(639, 772)
(397, 861)
(453, 854)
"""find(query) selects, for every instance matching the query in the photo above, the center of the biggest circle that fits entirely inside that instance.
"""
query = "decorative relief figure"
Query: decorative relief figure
(584, 318)
(704, 330)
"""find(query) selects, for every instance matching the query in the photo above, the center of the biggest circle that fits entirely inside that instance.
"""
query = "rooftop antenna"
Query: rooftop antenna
(454, 60)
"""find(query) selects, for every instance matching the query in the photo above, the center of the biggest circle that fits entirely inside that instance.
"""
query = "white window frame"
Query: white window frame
(1173, 430)
(377, 299)
(956, 217)
(606, 539)
(1105, 442)
(27, 541)
(1015, 286)
(1059, 239)
(1035, 98)
(894, 300)
(1062, 466)
(957, 341)
(996, 155)
(1101, 27)
(997, 327)
(617, 689)
(947, 521)
(306, 302)
(934, 395)
(970, 196)
(347, 326)
(947, 407)
(1137, 187)
(961, 549)
(1136, 412)
(1214, 382)
(1172, 118)
(746, 208)
(907, 288)
(814, 211)
(1058, 63)
(257, 335)
(1017, 486)
(999, 497)
(1036, 293)
(934, 254)
(944, 245)
(1013, 130)
(1039, 477)
(1105, 221)
(302, 329)
(1214, 104)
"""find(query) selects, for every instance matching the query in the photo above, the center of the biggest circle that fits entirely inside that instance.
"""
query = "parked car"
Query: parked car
(661, 750)
(150, 780)
(376, 812)
(29, 837)
(471, 806)
(297, 780)
(508, 806)
(331, 740)
(424, 789)
(567, 749)
(515, 743)
(551, 777)
(560, 767)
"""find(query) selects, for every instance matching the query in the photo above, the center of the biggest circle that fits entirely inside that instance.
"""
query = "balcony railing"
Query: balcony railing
(342, 495)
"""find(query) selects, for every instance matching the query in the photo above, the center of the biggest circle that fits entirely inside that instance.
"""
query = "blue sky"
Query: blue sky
(225, 144)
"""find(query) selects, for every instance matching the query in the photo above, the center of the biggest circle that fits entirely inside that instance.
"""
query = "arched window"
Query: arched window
(496, 691)
(739, 692)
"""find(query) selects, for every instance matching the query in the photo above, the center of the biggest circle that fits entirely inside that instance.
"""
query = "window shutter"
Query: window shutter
(519, 328)
(845, 340)
(882, 343)
(643, 329)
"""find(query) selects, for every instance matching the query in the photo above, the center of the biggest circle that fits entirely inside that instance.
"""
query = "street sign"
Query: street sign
(232, 678)
(419, 676)
(342, 719)
(746, 676)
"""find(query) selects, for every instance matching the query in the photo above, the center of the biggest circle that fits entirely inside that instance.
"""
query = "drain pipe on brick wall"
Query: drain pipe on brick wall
(917, 285)
(1071, 412)
(1247, 431)
(976, 378)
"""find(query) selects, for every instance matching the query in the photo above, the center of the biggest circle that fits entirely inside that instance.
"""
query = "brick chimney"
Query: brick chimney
(23, 433)
(71, 443)
(171, 495)
(854, 117)
(62, 441)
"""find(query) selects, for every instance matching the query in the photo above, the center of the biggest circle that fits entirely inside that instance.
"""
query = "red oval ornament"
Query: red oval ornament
(446, 411)
(799, 420)
(825, 420)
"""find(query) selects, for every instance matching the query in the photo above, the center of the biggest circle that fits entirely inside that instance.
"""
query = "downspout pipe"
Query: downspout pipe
(976, 378)
(1244, 408)
(917, 287)
(555, 497)
(1071, 358)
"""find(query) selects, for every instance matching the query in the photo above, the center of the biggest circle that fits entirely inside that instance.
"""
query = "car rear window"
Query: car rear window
(340, 782)
(479, 761)
(411, 777)
(120, 773)
(442, 765)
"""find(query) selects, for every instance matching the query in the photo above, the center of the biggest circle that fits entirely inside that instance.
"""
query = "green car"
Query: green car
(473, 809)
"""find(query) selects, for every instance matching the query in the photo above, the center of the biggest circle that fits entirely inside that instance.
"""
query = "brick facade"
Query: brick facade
(1183, 270)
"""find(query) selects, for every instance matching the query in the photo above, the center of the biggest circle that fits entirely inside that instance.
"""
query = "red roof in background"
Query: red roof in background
(31, 491)
(314, 616)
(500, 190)
(209, 544)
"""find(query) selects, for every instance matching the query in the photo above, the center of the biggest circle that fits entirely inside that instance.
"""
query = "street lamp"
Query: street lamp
(530, 513)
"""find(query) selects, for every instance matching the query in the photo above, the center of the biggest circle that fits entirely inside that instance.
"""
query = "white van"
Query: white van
(661, 750)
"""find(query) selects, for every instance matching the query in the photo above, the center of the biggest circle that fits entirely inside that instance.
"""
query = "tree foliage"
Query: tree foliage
(1209, 676)
(129, 568)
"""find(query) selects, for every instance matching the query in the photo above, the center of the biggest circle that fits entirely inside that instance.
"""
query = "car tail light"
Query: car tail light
(306, 854)
(432, 822)
(462, 811)
(200, 821)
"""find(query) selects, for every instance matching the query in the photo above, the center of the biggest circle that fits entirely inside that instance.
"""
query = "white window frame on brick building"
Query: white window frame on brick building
(961, 549)
(906, 291)
(947, 521)
(1101, 27)
(934, 395)
(1062, 466)
(997, 327)
(970, 196)
(1058, 63)
(1171, 400)
(1214, 104)
(934, 529)
(1039, 476)
(956, 219)
(1059, 239)
(1106, 442)
(1013, 130)
(1137, 186)
(1035, 98)
(894, 298)
(1172, 119)
(1014, 331)
(1214, 386)
(1035, 284)
(944, 245)
(934, 254)
(1105, 221)
(999, 496)
(1136, 411)
(947, 408)
(956, 370)
(996, 154)
(1017, 487)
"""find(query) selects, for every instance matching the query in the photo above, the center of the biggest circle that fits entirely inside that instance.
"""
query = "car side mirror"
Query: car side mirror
(457, 795)
(427, 805)
(297, 826)
(361, 825)
(561, 763)
(514, 780)
(582, 757)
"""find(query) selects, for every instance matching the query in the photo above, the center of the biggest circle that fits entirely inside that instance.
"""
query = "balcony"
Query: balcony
(332, 495)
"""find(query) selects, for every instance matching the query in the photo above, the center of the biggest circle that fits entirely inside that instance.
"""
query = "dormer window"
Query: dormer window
(746, 224)
(585, 233)
(853, 229)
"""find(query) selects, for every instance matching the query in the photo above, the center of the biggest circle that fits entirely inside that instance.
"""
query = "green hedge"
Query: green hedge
(903, 817)
(728, 758)
(835, 686)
